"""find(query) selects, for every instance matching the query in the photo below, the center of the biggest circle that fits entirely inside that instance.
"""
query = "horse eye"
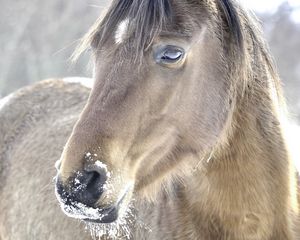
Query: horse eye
(169, 55)
(172, 55)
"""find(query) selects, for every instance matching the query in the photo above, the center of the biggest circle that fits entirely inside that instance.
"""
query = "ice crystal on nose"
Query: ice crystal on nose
(93, 158)
(100, 164)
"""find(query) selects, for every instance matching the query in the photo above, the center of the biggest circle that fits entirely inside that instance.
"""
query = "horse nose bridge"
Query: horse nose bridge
(74, 157)
(82, 150)
(104, 121)
(112, 96)
(100, 118)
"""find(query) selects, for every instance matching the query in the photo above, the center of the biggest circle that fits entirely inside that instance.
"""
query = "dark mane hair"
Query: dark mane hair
(149, 18)
(230, 12)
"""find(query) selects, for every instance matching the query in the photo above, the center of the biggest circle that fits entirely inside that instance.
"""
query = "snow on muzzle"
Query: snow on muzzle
(79, 196)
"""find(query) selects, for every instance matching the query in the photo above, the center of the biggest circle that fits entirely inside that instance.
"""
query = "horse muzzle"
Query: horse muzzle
(79, 195)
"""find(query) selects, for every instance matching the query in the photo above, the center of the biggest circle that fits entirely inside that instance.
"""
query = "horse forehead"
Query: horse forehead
(121, 31)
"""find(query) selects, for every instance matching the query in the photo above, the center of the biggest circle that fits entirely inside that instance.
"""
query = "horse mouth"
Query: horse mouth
(108, 215)
(86, 213)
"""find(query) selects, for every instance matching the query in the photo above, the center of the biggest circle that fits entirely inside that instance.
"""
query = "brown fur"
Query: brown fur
(35, 124)
(204, 144)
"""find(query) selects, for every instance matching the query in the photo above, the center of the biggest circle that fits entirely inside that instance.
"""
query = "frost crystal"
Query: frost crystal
(120, 229)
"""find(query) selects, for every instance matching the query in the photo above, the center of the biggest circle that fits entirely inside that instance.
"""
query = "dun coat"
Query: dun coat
(183, 135)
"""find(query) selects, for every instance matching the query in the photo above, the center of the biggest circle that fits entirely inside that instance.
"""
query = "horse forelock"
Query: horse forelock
(147, 19)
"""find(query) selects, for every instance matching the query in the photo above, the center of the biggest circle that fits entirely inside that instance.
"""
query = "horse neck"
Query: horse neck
(250, 174)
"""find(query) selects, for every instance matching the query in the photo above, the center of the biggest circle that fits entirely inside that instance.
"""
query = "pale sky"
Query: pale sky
(271, 6)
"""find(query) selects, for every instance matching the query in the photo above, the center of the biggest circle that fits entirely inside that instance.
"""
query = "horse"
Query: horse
(183, 134)
(35, 123)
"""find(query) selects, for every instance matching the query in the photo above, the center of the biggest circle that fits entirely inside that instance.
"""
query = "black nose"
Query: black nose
(88, 187)
(85, 187)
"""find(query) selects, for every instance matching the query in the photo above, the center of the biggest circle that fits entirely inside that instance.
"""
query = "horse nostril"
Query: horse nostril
(88, 186)
(95, 185)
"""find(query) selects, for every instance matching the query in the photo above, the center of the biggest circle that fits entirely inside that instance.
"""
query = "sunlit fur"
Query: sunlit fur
(203, 144)
(35, 124)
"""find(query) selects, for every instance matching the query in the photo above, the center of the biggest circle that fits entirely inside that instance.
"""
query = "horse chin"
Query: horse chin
(108, 215)
(114, 213)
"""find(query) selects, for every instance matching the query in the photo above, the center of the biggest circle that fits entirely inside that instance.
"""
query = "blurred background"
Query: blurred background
(37, 38)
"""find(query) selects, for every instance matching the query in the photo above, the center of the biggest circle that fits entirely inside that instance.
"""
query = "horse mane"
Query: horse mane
(150, 18)
(230, 11)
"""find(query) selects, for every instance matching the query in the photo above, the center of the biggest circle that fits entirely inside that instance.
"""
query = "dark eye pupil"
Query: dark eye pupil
(172, 54)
